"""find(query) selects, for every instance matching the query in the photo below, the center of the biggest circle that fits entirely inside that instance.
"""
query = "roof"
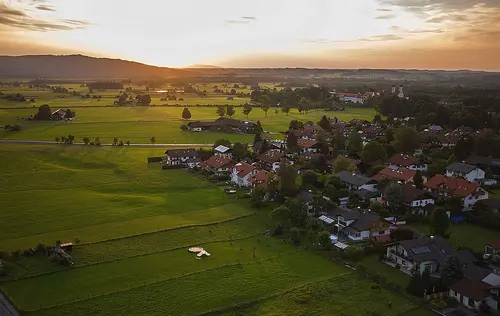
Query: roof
(230, 121)
(403, 160)
(460, 167)
(476, 290)
(382, 239)
(495, 245)
(59, 112)
(242, 169)
(349, 95)
(311, 156)
(365, 221)
(353, 178)
(271, 156)
(260, 178)
(427, 249)
(486, 161)
(366, 194)
(435, 128)
(304, 196)
(465, 256)
(217, 162)
(474, 272)
(411, 193)
(188, 152)
(454, 186)
(306, 143)
(349, 215)
(402, 174)
(222, 149)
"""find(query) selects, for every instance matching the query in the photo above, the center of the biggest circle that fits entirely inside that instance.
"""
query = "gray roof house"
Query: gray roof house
(357, 181)
(462, 170)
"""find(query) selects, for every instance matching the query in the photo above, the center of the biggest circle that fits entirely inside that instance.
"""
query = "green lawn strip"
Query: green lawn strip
(122, 275)
(132, 227)
(145, 244)
(209, 290)
(348, 294)
(466, 235)
(390, 274)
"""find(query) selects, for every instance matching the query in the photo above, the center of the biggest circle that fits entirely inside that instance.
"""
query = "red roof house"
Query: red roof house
(395, 173)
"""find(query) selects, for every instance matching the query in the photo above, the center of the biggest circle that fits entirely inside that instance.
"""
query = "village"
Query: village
(344, 177)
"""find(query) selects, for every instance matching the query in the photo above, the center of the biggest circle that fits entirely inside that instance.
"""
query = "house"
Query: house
(492, 249)
(445, 187)
(306, 198)
(269, 144)
(372, 132)
(365, 195)
(478, 286)
(308, 134)
(490, 165)
(351, 97)
(260, 179)
(223, 151)
(357, 182)
(241, 172)
(218, 164)
(337, 123)
(186, 158)
(223, 124)
(408, 162)
(415, 198)
(424, 252)
(360, 225)
(396, 174)
(270, 160)
(306, 145)
(462, 170)
(448, 140)
(58, 115)
(361, 122)
(435, 128)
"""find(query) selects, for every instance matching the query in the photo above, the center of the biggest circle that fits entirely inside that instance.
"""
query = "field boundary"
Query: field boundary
(229, 265)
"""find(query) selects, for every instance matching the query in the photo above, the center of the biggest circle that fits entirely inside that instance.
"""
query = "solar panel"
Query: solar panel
(420, 250)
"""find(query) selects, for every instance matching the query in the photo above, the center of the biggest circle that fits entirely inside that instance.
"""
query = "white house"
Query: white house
(307, 146)
(223, 151)
(445, 187)
(359, 226)
(351, 97)
(187, 158)
(415, 198)
(357, 182)
(469, 172)
(271, 159)
(408, 162)
(241, 172)
(218, 164)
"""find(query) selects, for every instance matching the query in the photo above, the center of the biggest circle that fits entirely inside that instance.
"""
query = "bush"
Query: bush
(184, 127)
(58, 255)
(41, 248)
(438, 303)
(4, 254)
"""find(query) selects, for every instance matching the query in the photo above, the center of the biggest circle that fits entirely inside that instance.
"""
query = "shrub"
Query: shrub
(16, 254)
(4, 254)
(438, 303)
(40, 248)
(184, 127)
(58, 255)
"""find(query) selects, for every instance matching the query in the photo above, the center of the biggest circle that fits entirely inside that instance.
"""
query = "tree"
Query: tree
(257, 197)
(393, 194)
(221, 111)
(389, 134)
(373, 152)
(128, 143)
(343, 164)
(265, 107)
(338, 140)
(115, 141)
(286, 108)
(319, 204)
(451, 271)
(295, 124)
(295, 235)
(440, 223)
(44, 113)
(144, 99)
(247, 108)
(297, 212)
(402, 233)
(57, 139)
(291, 141)
(325, 123)
(153, 140)
(280, 214)
(354, 143)
(288, 178)
(240, 151)
(406, 140)
(86, 140)
(304, 105)
(415, 286)
(230, 111)
(464, 147)
(70, 139)
(97, 141)
(324, 240)
(69, 113)
(309, 178)
(223, 142)
(418, 180)
(184, 127)
(186, 114)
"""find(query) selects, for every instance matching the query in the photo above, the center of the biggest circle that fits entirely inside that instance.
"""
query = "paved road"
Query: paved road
(46, 142)
(6, 309)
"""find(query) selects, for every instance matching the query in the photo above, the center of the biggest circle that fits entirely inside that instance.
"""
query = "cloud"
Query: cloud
(385, 17)
(242, 20)
(43, 7)
(381, 38)
(384, 10)
(13, 18)
(448, 17)
(249, 18)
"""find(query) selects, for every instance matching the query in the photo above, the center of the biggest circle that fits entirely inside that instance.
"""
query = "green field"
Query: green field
(139, 124)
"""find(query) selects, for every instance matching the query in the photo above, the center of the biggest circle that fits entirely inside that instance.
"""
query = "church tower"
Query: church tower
(401, 92)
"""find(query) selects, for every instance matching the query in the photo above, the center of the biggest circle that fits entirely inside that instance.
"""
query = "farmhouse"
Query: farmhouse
(469, 172)
(308, 134)
(395, 173)
(223, 124)
(358, 226)
(270, 160)
(58, 114)
(241, 173)
(415, 198)
(444, 187)
(306, 145)
(490, 165)
(351, 97)
(186, 158)
(357, 182)
(217, 164)
(260, 179)
(408, 162)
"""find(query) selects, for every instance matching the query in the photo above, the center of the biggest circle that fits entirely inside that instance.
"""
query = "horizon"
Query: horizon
(379, 34)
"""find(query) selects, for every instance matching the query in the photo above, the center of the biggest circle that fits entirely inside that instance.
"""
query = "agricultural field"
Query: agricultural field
(139, 124)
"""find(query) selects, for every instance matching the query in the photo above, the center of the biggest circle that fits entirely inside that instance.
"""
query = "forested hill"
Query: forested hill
(78, 66)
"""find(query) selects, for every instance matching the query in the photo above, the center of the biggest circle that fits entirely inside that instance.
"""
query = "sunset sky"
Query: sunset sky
(423, 34)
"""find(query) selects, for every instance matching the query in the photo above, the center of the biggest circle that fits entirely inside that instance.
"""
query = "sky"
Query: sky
(416, 34)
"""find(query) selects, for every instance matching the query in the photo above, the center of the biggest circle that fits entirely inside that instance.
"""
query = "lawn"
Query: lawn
(467, 235)
(373, 265)
(348, 294)
(139, 124)
(98, 193)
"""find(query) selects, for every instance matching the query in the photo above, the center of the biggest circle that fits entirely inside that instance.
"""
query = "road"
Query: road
(6, 308)
(46, 142)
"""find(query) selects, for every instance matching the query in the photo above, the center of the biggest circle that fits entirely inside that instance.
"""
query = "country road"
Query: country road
(46, 142)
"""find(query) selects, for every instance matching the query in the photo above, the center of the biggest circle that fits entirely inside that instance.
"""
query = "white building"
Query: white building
(223, 151)
(241, 172)
(357, 182)
(187, 158)
(461, 170)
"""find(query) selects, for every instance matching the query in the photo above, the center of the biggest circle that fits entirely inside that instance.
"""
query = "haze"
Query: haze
(422, 34)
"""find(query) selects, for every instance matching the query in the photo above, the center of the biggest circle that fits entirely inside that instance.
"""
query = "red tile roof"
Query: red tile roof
(401, 174)
(306, 143)
(260, 179)
(455, 186)
(242, 169)
(382, 239)
(495, 245)
(475, 290)
(217, 162)
(403, 160)
(271, 156)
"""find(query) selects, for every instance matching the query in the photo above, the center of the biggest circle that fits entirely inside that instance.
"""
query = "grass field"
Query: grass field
(392, 275)
(139, 124)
